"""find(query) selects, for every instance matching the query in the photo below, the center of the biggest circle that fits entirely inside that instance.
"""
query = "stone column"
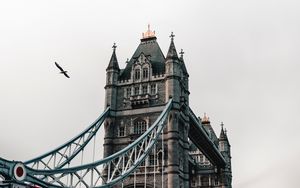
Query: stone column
(108, 137)
(186, 178)
(173, 162)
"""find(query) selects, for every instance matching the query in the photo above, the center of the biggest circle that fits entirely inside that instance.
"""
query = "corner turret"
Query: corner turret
(224, 139)
(173, 73)
(224, 148)
(112, 74)
(184, 70)
(113, 63)
(172, 53)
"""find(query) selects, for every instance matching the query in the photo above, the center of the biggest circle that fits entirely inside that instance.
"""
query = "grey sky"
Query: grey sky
(242, 57)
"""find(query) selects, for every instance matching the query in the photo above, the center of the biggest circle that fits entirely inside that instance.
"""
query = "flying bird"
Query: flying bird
(62, 71)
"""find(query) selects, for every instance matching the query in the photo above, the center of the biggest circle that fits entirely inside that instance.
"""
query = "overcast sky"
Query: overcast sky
(242, 57)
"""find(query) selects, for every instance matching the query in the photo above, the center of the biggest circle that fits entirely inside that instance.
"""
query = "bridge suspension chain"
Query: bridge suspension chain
(108, 171)
(64, 154)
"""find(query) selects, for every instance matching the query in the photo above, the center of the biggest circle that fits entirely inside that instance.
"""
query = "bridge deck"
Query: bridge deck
(199, 137)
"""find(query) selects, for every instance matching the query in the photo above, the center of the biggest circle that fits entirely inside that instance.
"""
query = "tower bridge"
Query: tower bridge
(152, 138)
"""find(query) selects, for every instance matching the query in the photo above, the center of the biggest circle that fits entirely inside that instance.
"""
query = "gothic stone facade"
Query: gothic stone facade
(137, 95)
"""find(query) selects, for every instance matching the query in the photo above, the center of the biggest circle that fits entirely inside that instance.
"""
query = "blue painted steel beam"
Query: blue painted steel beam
(99, 121)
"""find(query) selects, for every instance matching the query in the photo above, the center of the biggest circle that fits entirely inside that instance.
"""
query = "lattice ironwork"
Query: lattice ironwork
(103, 173)
(64, 154)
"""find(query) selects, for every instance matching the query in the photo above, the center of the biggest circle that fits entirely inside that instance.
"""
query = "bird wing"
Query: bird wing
(66, 74)
(61, 69)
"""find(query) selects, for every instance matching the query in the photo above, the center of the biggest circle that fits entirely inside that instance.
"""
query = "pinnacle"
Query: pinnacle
(172, 53)
(113, 63)
(223, 135)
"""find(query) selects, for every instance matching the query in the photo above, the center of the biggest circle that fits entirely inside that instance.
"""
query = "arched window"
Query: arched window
(140, 126)
(137, 74)
(145, 73)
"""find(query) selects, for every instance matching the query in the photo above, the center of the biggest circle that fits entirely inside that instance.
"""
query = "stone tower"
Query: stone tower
(137, 95)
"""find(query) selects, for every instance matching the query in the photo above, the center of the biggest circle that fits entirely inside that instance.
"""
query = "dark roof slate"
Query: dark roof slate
(223, 136)
(183, 66)
(172, 53)
(113, 63)
(151, 49)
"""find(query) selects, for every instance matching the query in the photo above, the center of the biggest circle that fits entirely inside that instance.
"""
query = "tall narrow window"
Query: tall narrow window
(136, 90)
(153, 89)
(137, 74)
(121, 131)
(145, 73)
(201, 159)
(128, 92)
(145, 89)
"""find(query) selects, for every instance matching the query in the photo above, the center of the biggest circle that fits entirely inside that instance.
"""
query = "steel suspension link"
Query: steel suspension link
(110, 170)
(64, 154)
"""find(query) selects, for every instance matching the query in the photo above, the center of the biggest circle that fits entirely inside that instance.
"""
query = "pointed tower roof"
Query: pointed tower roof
(113, 63)
(150, 48)
(223, 135)
(183, 64)
(172, 53)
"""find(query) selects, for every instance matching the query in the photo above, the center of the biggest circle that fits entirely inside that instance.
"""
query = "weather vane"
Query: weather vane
(181, 52)
(172, 35)
(114, 46)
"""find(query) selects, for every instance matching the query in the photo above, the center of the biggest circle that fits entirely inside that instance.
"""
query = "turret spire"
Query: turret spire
(172, 36)
(183, 64)
(113, 63)
(172, 53)
(223, 135)
(114, 46)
